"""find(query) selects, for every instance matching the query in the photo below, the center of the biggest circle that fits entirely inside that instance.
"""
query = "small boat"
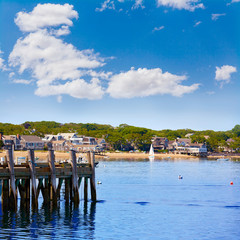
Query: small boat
(151, 153)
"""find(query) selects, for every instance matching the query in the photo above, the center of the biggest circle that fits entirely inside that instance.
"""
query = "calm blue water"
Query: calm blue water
(142, 200)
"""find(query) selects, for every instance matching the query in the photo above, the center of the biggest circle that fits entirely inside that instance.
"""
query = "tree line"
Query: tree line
(125, 137)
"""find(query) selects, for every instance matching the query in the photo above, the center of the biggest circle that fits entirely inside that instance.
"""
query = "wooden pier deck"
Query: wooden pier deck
(31, 178)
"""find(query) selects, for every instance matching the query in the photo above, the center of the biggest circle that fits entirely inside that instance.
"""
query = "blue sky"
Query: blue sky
(155, 63)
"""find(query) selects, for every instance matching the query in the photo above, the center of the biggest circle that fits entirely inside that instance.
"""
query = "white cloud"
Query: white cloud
(78, 89)
(50, 59)
(46, 15)
(2, 65)
(64, 30)
(146, 82)
(197, 23)
(22, 81)
(108, 4)
(189, 5)
(215, 16)
(158, 28)
(223, 74)
(54, 64)
(138, 4)
(11, 74)
(234, 1)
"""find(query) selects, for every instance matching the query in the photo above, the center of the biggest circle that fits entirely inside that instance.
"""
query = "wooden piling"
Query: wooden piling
(32, 165)
(74, 177)
(13, 193)
(51, 161)
(85, 189)
(5, 193)
(92, 179)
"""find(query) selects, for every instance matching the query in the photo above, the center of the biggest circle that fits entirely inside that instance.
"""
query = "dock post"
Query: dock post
(53, 188)
(92, 179)
(74, 177)
(32, 164)
(85, 189)
(5, 193)
(13, 192)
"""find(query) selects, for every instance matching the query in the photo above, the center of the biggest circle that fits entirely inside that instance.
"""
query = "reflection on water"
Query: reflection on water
(49, 222)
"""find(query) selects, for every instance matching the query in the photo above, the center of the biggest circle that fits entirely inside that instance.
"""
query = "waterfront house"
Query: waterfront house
(67, 136)
(101, 143)
(159, 143)
(58, 145)
(89, 141)
(31, 141)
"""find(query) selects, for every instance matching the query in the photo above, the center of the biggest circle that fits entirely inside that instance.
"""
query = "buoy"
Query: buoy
(180, 177)
(231, 183)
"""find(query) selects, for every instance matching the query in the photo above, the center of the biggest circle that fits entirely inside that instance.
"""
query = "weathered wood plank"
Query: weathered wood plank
(74, 177)
(51, 161)
(32, 168)
(10, 161)
(92, 179)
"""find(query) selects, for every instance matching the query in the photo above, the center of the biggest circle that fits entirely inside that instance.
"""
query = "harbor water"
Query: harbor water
(142, 200)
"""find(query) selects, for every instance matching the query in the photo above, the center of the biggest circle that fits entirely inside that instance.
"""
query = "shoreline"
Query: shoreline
(120, 155)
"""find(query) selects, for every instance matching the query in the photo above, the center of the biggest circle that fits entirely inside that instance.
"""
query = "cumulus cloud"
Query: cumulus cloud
(147, 82)
(46, 15)
(223, 74)
(50, 59)
(53, 63)
(78, 89)
(215, 16)
(158, 28)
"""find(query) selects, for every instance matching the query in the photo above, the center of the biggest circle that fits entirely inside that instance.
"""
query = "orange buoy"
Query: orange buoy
(231, 183)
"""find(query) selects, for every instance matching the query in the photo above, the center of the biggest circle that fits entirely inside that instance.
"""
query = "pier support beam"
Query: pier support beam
(5, 193)
(74, 177)
(53, 185)
(92, 179)
(32, 165)
(85, 189)
(13, 192)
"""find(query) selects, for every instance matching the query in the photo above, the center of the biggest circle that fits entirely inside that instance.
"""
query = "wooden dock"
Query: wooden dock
(31, 178)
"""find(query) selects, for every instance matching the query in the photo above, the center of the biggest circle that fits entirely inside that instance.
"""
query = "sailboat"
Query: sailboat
(151, 153)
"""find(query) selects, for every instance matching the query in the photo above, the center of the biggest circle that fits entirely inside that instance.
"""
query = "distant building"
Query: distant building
(31, 142)
(159, 143)
(67, 136)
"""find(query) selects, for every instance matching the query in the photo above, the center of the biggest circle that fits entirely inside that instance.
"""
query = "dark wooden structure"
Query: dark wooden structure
(31, 178)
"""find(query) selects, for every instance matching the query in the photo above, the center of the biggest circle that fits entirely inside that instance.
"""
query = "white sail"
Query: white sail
(151, 153)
